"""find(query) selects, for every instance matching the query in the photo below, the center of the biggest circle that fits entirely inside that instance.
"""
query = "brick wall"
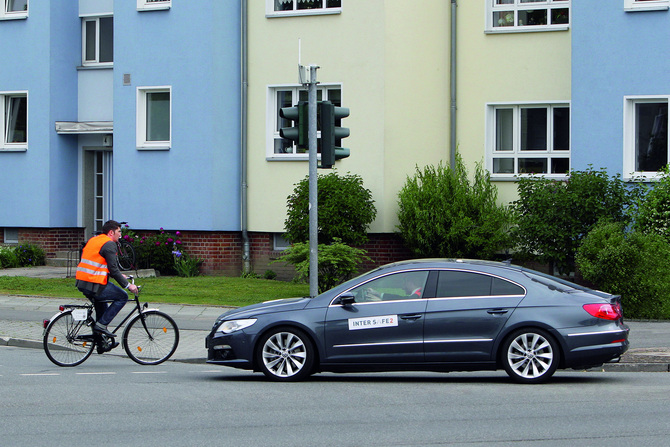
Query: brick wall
(222, 251)
(53, 240)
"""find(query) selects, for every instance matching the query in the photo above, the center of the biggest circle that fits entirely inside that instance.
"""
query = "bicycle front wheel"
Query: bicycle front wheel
(68, 342)
(151, 338)
(126, 255)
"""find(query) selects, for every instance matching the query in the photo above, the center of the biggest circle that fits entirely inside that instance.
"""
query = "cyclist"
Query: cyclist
(98, 263)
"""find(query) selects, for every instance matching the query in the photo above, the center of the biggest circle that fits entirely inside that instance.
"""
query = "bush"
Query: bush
(634, 265)
(337, 262)
(8, 258)
(157, 251)
(345, 209)
(653, 214)
(442, 214)
(553, 216)
(185, 265)
(29, 255)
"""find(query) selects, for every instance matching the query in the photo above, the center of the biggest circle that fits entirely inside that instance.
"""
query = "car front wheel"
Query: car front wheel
(530, 356)
(286, 354)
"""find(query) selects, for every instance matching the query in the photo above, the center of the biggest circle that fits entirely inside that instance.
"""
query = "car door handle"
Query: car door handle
(497, 311)
(410, 317)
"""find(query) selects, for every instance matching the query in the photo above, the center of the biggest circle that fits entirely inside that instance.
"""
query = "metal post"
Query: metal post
(313, 207)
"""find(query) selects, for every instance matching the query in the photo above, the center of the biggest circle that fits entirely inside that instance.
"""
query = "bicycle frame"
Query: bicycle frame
(137, 308)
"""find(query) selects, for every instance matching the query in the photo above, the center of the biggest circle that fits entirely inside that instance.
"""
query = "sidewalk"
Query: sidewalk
(194, 322)
(649, 349)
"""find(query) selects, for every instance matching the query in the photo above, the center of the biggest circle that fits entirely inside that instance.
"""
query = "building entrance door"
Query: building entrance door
(97, 196)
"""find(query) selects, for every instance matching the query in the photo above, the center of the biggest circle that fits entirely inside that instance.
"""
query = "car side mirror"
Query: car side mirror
(347, 299)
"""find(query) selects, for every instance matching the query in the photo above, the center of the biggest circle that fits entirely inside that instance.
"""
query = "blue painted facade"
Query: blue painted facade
(615, 54)
(192, 47)
(38, 186)
(196, 51)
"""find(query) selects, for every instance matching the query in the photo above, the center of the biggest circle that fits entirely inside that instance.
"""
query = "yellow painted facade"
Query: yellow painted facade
(503, 67)
(391, 59)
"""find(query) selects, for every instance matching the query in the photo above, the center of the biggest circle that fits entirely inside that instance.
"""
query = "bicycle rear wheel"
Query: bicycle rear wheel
(68, 342)
(154, 344)
(126, 255)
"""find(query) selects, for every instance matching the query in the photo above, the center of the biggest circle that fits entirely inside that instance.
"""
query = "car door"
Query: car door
(466, 315)
(383, 325)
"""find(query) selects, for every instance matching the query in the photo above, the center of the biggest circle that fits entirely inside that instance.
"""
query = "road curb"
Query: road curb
(660, 365)
(34, 344)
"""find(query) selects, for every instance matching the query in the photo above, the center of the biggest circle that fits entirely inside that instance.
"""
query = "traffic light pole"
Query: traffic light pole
(313, 206)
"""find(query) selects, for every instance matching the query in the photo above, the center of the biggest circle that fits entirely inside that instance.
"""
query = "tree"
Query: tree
(553, 216)
(443, 214)
(653, 214)
(346, 210)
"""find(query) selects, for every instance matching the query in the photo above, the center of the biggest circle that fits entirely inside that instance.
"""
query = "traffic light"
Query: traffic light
(300, 132)
(328, 113)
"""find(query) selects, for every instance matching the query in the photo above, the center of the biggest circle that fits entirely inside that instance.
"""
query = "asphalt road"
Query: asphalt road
(114, 402)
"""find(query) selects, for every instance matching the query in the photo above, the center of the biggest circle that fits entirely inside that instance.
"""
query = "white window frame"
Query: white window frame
(646, 5)
(153, 5)
(11, 236)
(516, 153)
(525, 5)
(5, 146)
(141, 123)
(270, 10)
(13, 15)
(629, 135)
(272, 118)
(96, 62)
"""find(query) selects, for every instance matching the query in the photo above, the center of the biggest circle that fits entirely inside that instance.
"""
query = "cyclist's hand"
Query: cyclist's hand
(133, 288)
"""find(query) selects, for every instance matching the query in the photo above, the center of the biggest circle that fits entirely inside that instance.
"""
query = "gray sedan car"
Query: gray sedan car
(428, 315)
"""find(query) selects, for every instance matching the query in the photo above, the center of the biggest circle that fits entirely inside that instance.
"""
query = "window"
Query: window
(279, 243)
(646, 5)
(397, 286)
(11, 235)
(283, 149)
(275, 8)
(14, 9)
(527, 15)
(645, 136)
(528, 139)
(154, 117)
(14, 117)
(453, 284)
(153, 5)
(98, 41)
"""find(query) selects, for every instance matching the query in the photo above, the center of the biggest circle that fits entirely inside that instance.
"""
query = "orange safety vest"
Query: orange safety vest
(93, 266)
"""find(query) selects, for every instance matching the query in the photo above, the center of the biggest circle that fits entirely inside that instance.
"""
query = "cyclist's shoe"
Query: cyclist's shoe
(97, 327)
(106, 344)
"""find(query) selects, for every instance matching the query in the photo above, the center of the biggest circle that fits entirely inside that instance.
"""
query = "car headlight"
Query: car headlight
(235, 325)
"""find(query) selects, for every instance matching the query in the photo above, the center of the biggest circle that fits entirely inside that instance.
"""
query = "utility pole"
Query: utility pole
(313, 191)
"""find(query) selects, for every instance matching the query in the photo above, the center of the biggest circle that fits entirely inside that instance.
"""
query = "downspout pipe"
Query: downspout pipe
(452, 82)
(246, 252)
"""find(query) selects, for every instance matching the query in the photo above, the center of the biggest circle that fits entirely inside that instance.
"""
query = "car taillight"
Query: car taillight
(606, 311)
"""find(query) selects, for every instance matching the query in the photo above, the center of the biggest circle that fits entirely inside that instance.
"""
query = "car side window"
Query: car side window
(451, 284)
(398, 286)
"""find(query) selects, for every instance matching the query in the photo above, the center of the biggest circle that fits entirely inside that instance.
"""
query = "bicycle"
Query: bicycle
(125, 253)
(150, 338)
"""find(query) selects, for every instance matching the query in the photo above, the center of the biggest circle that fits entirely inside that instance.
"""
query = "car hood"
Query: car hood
(263, 308)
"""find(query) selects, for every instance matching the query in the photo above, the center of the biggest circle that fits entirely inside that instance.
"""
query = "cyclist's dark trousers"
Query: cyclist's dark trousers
(107, 311)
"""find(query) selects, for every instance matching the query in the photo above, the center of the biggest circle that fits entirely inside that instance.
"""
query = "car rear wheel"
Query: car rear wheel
(286, 354)
(530, 356)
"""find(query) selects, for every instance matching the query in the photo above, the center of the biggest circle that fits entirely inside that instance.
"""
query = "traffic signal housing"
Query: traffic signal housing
(300, 131)
(329, 114)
